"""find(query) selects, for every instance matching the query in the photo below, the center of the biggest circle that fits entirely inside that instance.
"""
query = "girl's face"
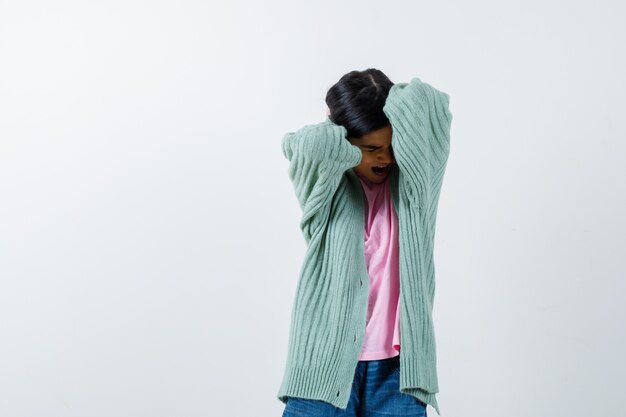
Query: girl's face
(377, 152)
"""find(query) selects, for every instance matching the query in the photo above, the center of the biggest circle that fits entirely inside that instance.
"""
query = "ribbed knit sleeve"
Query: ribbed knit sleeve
(319, 154)
(421, 120)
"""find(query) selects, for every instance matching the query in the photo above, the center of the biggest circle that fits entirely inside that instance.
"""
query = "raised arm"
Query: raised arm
(421, 119)
(319, 155)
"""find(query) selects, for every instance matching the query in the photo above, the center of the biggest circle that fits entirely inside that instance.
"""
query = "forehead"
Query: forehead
(378, 137)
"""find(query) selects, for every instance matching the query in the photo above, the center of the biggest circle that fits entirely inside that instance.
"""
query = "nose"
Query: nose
(386, 158)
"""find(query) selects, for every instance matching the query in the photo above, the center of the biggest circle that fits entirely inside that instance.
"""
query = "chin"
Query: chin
(376, 179)
(372, 178)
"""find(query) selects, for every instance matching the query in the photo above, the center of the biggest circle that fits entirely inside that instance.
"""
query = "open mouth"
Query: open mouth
(380, 170)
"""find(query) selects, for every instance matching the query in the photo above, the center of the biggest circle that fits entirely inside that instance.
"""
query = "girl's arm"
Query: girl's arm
(421, 119)
(319, 155)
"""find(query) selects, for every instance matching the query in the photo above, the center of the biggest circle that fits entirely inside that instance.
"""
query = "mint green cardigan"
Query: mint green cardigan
(330, 304)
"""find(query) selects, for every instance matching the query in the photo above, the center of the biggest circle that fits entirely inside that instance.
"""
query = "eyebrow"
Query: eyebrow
(373, 146)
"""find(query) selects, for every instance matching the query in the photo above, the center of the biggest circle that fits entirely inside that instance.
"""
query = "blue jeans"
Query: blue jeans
(375, 393)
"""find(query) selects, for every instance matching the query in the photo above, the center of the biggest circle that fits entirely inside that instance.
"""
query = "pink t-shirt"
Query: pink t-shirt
(382, 332)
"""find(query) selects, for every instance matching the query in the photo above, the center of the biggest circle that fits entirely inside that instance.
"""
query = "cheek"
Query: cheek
(365, 163)
(362, 168)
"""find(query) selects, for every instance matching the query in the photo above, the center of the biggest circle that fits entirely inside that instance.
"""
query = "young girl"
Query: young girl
(361, 339)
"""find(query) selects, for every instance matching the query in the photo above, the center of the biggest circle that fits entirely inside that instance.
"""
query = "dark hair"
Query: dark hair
(356, 101)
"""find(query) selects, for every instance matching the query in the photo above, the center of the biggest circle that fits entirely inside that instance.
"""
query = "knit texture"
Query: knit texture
(330, 304)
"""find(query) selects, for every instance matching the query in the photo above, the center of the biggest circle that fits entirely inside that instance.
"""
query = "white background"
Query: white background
(149, 240)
